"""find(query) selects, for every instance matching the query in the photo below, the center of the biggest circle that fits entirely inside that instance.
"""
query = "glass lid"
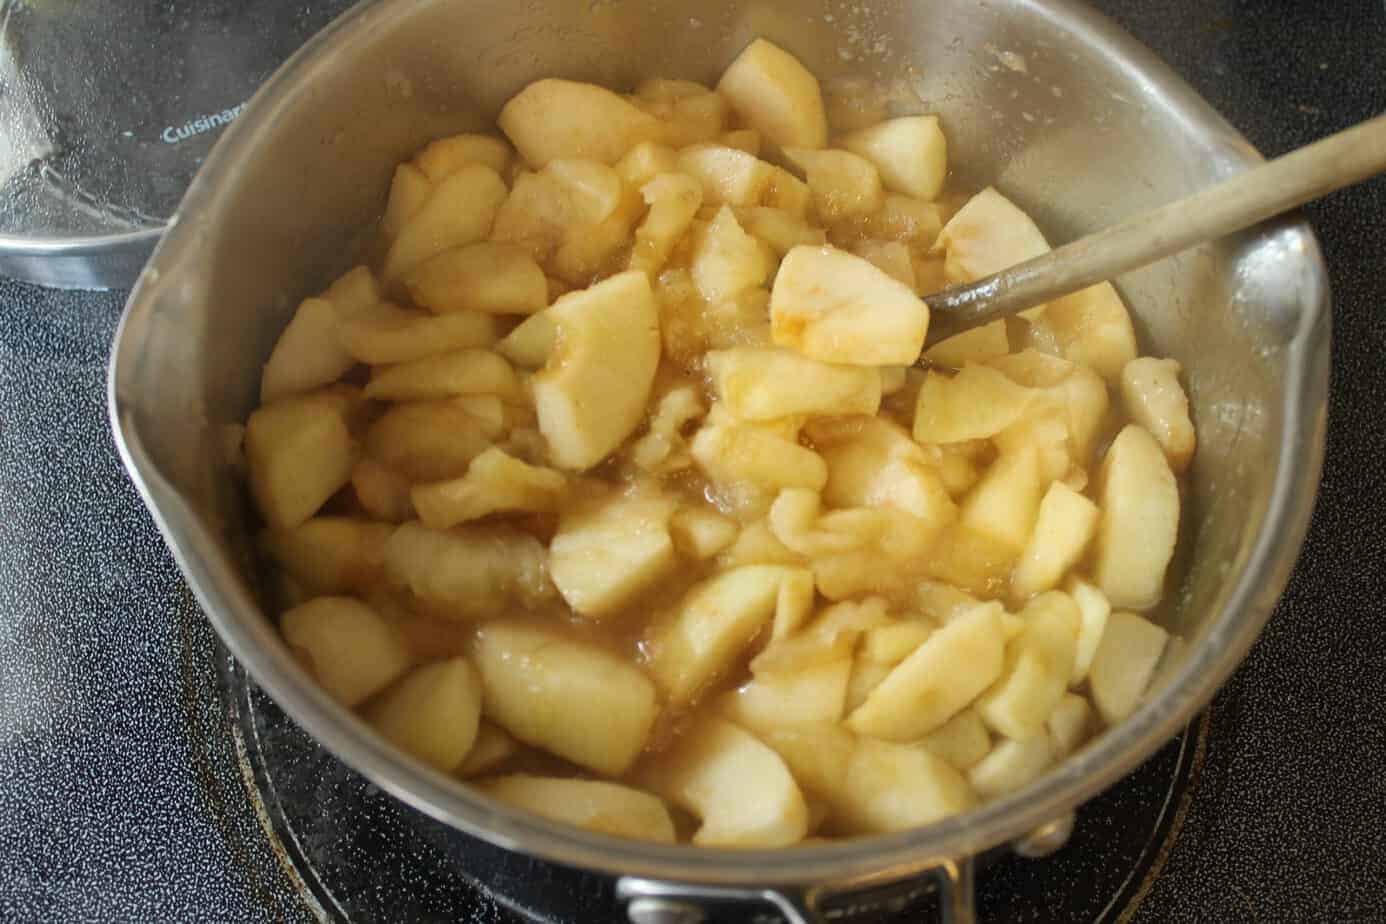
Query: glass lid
(107, 109)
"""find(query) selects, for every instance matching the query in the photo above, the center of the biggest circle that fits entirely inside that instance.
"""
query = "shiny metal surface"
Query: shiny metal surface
(1047, 100)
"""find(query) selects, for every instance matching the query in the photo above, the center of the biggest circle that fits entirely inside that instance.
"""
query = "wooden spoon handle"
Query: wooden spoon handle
(1339, 160)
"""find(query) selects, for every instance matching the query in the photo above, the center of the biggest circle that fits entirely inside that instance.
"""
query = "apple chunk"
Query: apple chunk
(776, 95)
(894, 787)
(909, 152)
(838, 308)
(605, 554)
(1140, 520)
(736, 785)
(988, 234)
(943, 675)
(608, 808)
(769, 383)
(552, 119)
(1063, 529)
(432, 713)
(1152, 397)
(1124, 663)
(299, 451)
(1039, 664)
(574, 699)
(592, 392)
(349, 647)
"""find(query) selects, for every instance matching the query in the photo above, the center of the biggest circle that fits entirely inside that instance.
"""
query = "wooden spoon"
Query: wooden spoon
(1342, 159)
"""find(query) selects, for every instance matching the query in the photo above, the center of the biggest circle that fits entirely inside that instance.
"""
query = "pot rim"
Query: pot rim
(251, 638)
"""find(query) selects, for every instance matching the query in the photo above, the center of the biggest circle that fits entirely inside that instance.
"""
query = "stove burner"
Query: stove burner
(360, 855)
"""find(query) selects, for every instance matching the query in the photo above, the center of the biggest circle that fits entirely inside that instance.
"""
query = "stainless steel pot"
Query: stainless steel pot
(1044, 98)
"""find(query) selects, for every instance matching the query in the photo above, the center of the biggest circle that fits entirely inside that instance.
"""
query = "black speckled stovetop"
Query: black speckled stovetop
(121, 796)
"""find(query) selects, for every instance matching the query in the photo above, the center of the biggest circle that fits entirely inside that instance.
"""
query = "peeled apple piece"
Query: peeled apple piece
(572, 698)
(839, 308)
(460, 211)
(933, 684)
(894, 787)
(605, 554)
(769, 383)
(736, 785)
(608, 808)
(1124, 663)
(988, 234)
(349, 647)
(307, 354)
(592, 392)
(1152, 397)
(1136, 533)
(776, 95)
(1039, 663)
(551, 119)
(909, 152)
(432, 714)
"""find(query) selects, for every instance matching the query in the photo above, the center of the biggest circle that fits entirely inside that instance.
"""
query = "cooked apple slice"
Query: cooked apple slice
(776, 95)
(382, 492)
(442, 158)
(552, 119)
(780, 230)
(701, 532)
(460, 210)
(461, 372)
(813, 694)
(728, 176)
(971, 346)
(736, 455)
(895, 787)
(838, 308)
(495, 483)
(351, 650)
(1068, 724)
(572, 698)
(962, 741)
(987, 235)
(1152, 397)
(606, 553)
(713, 625)
(872, 462)
(738, 787)
(890, 257)
(896, 641)
(1004, 504)
(390, 334)
(331, 555)
(488, 276)
(529, 344)
(817, 753)
(971, 561)
(1063, 529)
(429, 440)
(608, 808)
(409, 190)
(977, 403)
(307, 354)
(299, 451)
(1094, 610)
(673, 200)
(724, 259)
(843, 185)
(1093, 328)
(469, 571)
(769, 383)
(432, 713)
(1039, 664)
(910, 153)
(1124, 663)
(646, 161)
(932, 685)
(1011, 765)
(690, 112)
(1140, 520)
(493, 747)
(592, 393)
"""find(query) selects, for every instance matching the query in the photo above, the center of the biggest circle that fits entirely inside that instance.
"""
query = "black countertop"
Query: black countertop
(121, 794)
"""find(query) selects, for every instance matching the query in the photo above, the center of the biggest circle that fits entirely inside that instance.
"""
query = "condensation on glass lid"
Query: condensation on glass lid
(108, 107)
